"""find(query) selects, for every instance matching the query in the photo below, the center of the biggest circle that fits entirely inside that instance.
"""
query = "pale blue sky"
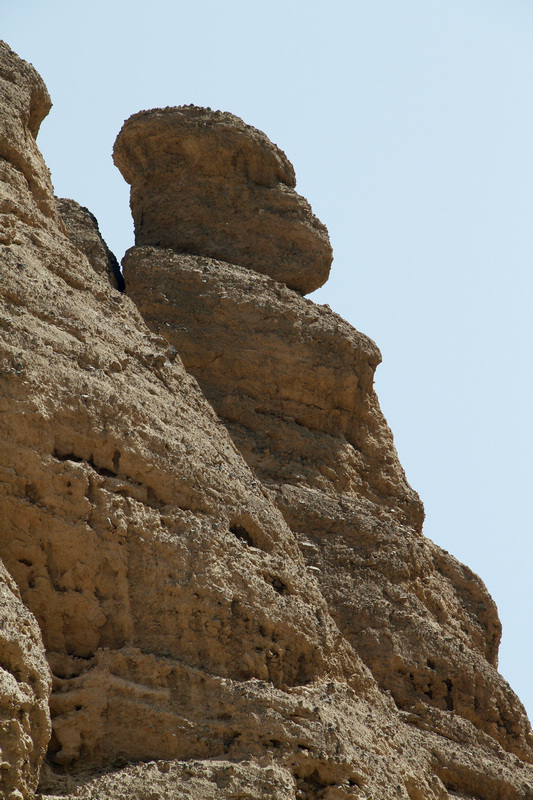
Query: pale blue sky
(410, 125)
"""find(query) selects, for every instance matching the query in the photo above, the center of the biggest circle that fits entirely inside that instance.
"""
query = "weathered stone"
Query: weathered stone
(82, 228)
(294, 373)
(203, 182)
(208, 780)
(293, 383)
(158, 568)
(24, 693)
(25, 186)
(207, 620)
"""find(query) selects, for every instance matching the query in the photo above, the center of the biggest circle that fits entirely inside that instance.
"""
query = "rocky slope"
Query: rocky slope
(208, 540)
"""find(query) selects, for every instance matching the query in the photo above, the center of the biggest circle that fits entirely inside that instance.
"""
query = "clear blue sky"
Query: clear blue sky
(410, 125)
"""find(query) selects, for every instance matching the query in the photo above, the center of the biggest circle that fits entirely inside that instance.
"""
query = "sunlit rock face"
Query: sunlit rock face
(293, 384)
(82, 229)
(207, 536)
(24, 694)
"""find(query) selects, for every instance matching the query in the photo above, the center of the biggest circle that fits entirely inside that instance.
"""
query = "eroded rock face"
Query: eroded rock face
(233, 592)
(204, 182)
(171, 595)
(82, 228)
(26, 189)
(293, 383)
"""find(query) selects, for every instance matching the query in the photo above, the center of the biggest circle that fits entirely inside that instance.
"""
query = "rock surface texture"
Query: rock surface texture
(24, 694)
(207, 536)
(82, 229)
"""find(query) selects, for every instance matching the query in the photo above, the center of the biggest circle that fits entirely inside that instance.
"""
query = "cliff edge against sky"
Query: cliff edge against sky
(215, 579)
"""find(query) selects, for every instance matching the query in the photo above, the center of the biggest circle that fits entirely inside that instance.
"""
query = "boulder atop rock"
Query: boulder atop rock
(205, 183)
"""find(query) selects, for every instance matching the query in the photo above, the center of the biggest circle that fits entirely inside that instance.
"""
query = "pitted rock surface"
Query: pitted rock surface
(293, 383)
(25, 185)
(170, 593)
(203, 182)
(25, 686)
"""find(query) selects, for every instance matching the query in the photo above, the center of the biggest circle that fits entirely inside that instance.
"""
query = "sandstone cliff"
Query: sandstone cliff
(208, 539)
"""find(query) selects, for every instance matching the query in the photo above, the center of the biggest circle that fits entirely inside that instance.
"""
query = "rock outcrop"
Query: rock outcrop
(204, 182)
(293, 383)
(204, 516)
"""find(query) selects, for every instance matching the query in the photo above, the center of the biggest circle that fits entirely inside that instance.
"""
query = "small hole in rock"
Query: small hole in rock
(116, 460)
(279, 586)
(242, 534)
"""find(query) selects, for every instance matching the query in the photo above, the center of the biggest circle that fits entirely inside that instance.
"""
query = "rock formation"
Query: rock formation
(204, 182)
(207, 536)
(292, 383)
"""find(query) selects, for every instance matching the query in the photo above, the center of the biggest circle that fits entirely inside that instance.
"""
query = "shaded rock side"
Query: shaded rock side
(204, 182)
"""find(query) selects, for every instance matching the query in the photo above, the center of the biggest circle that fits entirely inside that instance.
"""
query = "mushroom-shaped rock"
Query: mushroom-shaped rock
(205, 183)
(23, 173)
(25, 686)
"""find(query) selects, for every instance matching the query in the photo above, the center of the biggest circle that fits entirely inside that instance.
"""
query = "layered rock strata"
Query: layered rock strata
(212, 595)
(293, 384)
(25, 192)
(204, 182)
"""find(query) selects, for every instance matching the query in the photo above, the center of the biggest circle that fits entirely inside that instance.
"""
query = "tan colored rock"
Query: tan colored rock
(24, 692)
(82, 228)
(345, 750)
(200, 647)
(203, 182)
(209, 780)
(163, 578)
(25, 186)
(294, 373)
(293, 384)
